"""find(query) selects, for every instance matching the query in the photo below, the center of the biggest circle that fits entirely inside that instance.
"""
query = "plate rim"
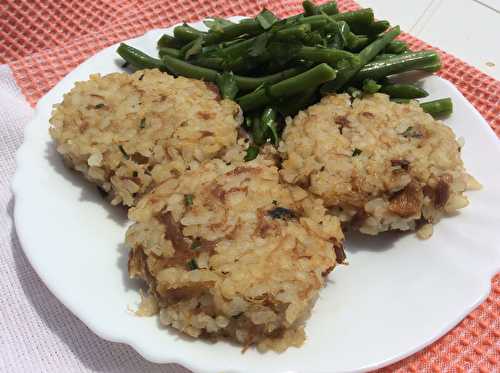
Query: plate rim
(22, 233)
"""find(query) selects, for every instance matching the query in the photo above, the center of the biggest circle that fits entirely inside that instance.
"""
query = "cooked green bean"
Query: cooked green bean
(403, 91)
(328, 55)
(358, 17)
(253, 27)
(251, 83)
(314, 38)
(167, 41)
(186, 33)
(221, 64)
(396, 47)
(371, 50)
(431, 67)
(139, 59)
(259, 132)
(353, 19)
(365, 56)
(298, 102)
(384, 56)
(401, 63)
(289, 87)
(240, 47)
(316, 22)
(162, 51)
(215, 63)
(355, 43)
(337, 34)
(236, 50)
(247, 55)
(370, 86)
(224, 44)
(371, 29)
(183, 68)
(309, 8)
(438, 108)
(281, 66)
(378, 27)
(246, 26)
(293, 33)
(328, 8)
(187, 46)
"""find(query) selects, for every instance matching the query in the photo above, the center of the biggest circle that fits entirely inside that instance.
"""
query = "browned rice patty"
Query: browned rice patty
(228, 251)
(379, 164)
(128, 132)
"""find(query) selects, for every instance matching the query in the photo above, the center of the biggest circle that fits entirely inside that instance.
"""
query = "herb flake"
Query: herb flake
(195, 245)
(259, 46)
(356, 152)
(371, 86)
(192, 264)
(407, 132)
(252, 153)
(99, 106)
(266, 19)
(188, 199)
(268, 120)
(217, 24)
(227, 85)
(195, 48)
(411, 132)
(282, 213)
(283, 52)
(143, 123)
(354, 92)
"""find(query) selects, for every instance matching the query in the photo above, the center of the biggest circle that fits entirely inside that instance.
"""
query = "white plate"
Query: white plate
(397, 295)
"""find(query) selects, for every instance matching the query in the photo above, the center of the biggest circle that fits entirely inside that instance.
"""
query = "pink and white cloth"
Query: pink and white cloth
(41, 42)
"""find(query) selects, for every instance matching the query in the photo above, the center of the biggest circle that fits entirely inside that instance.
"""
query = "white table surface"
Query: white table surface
(468, 29)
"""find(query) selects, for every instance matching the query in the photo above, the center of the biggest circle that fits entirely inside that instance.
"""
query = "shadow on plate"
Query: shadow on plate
(356, 241)
(202, 339)
(124, 66)
(94, 353)
(89, 193)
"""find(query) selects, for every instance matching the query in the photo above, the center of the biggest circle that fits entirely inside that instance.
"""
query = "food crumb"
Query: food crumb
(425, 231)
(147, 307)
(472, 183)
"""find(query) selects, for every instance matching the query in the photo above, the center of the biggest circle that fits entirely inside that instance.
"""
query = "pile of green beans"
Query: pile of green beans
(276, 67)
